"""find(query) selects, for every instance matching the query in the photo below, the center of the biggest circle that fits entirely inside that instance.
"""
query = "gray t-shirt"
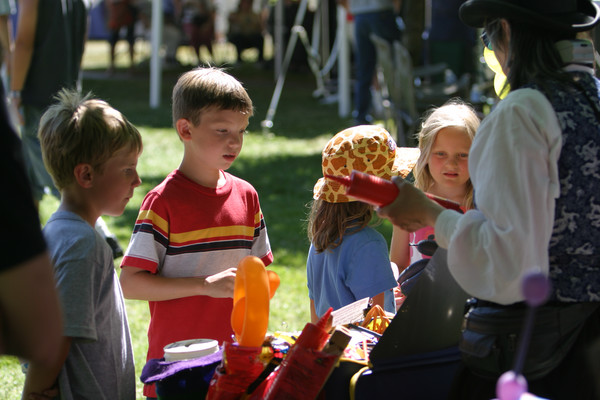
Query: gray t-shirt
(100, 363)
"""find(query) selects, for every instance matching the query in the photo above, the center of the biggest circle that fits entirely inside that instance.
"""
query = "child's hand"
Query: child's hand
(221, 284)
(399, 297)
(46, 395)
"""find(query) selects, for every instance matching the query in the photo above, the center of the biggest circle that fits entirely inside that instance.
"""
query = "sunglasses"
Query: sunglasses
(485, 39)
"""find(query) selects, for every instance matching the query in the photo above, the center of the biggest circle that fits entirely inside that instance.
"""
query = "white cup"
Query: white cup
(188, 349)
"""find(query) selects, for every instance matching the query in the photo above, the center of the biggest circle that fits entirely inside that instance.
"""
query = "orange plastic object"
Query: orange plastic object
(254, 287)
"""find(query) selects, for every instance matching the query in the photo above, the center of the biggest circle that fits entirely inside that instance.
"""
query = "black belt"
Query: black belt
(518, 305)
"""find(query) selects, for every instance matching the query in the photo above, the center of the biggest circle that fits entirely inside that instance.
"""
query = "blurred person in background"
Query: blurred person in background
(48, 51)
(121, 14)
(370, 17)
(247, 29)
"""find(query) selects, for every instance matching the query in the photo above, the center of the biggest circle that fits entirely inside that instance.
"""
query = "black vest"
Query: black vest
(575, 243)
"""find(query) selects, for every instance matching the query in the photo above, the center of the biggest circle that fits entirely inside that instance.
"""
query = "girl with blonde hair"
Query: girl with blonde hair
(442, 169)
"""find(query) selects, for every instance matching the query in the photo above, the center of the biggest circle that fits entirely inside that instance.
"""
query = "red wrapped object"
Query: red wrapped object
(239, 368)
(378, 191)
(306, 367)
(279, 348)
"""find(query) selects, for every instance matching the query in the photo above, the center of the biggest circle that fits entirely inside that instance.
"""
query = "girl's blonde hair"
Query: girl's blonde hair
(328, 222)
(454, 113)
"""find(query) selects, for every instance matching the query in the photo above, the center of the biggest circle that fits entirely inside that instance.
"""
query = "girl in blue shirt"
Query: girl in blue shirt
(348, 260)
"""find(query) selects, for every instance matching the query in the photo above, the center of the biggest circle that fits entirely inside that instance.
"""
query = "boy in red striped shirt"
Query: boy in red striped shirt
(195, 226)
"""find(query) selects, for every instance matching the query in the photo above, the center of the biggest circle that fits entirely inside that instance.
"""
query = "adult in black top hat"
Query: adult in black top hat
(562, 15)
(524, 33)
(535, 169)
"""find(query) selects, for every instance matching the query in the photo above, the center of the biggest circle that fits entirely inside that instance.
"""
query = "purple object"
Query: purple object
(157, 369)
(511, 386)
(536, 289)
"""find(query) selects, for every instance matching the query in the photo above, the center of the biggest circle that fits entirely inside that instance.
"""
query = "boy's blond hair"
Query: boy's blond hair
(80, 129)
(204, 88)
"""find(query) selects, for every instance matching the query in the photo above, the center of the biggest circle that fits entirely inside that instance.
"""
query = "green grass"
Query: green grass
(283, 166)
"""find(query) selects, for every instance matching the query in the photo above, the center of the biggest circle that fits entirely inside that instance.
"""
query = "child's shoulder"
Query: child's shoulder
(179, 189)
(240, 181)
(66, 231)
(173, 177)
(243, 188)
(363, 236)
(236, 180)
(67, 220)
(173, 184)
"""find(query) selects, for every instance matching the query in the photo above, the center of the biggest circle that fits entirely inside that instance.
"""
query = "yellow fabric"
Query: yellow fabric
(500, 78)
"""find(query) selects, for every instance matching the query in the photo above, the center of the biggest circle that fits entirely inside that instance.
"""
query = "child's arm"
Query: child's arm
(41, 378)
(313, 313)
(140, 284)
(379, 300)
(399, 248)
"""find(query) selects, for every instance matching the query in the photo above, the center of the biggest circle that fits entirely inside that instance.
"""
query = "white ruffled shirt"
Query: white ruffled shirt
(513, 165)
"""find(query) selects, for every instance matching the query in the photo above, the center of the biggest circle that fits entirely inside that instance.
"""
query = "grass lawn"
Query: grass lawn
(283, 166)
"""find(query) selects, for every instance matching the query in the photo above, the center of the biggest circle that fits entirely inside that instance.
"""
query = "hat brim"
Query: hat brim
(474, 13)
(406, 159)
(404, 162)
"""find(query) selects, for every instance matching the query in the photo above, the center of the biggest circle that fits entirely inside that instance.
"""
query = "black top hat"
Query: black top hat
(563, 15)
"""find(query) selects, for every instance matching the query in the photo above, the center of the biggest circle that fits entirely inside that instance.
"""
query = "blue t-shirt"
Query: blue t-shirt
(358, 268)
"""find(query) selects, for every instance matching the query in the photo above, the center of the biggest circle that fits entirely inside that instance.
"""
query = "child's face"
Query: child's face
(448, 161)
(113, 187)
(217, 140)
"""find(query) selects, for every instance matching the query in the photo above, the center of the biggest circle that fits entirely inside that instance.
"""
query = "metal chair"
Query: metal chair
(408, 91)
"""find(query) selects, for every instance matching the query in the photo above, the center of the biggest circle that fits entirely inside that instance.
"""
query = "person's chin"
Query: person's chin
(228, 163)
(117, 211)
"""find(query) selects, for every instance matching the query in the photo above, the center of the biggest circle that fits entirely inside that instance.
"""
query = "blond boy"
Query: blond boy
(91, 152)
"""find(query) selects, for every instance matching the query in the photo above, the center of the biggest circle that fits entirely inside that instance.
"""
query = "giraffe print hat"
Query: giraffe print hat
(365, 148)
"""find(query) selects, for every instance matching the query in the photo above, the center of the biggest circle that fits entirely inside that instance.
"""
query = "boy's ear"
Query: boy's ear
(183, 128)
(84, 175)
